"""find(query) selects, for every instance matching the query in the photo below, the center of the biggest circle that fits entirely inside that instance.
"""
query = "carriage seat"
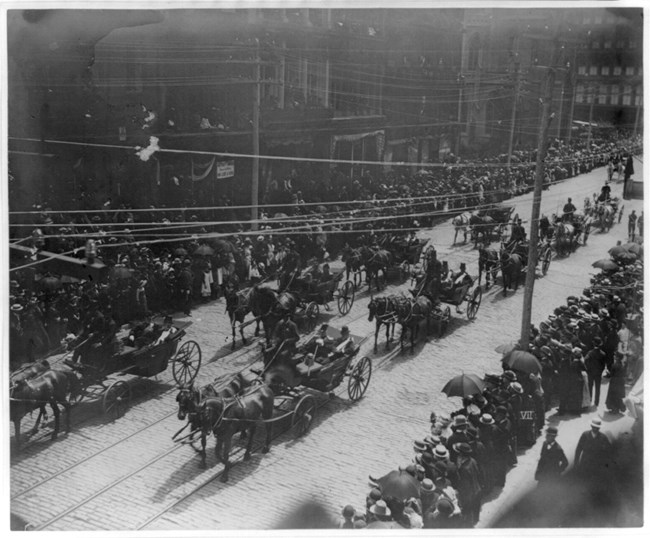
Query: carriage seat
(307, 371)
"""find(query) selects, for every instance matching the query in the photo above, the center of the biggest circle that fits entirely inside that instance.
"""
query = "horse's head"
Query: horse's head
(187, 399)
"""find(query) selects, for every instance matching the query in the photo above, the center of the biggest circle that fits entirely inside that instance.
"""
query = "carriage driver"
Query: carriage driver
(341, 345)
(285, 335)
(567, 211)
(605, 193)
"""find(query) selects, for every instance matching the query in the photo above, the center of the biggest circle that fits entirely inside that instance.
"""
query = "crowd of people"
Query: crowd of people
(161, 261)
(467, 454)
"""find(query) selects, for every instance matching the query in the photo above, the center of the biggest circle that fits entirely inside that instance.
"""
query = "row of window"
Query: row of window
(620, 44)
(609, 94)
(606, 70)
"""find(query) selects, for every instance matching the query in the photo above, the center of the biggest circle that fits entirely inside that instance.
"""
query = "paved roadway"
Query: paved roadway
(128, 475)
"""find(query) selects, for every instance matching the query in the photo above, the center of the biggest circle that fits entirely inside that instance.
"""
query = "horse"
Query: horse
(238, 306)
(383, 310)
(605, 216)
(29, 371)
(53, 387)
(352, 259)
(189, 400)
(483, 225)
(564, 238)
(461, 222)
(511, 267)
(375, 260)
(410, 314)
(488, 261)
(225, 417)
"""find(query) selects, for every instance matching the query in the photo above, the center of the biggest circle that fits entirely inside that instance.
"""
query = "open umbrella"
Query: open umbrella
(625, 257)
(464, 385)
(635, 248)
(203, 250)
(605, 265)
(506, 348)
(49, 283)
(399, 484)
(180, 251)
(523, 361)
(617, 251)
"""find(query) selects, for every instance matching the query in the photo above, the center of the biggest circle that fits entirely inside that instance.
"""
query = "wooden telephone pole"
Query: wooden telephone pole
(544, 125)
(255, 185)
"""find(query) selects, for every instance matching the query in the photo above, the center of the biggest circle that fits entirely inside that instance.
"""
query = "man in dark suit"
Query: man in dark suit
(552, 461)
(593, 453)
(595, 364)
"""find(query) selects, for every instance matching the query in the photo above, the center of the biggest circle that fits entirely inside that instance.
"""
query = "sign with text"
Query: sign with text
(225, 169)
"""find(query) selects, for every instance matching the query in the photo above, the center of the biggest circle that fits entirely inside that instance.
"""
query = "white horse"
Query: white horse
(461, 222)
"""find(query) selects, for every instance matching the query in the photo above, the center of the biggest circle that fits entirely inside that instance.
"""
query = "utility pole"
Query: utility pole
(461, 85)
(256, 141)
(592, 93)
(514, 113)
(573, 81)
(544, 124)
(636, 120)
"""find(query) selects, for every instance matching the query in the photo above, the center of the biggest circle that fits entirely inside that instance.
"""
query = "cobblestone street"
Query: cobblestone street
(129, 475)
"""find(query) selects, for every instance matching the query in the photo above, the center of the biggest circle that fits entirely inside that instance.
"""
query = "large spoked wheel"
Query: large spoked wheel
(359, 379)
(187, 363)
(546, 261)
(474, 303)
(445, 318)
(116, 399)
(303, 415)
(311, 315)
(345, 298)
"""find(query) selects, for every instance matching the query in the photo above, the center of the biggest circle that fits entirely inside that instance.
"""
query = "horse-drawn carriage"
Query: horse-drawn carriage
(314, 292)
(405, 255)
(285, 390)
(487, 223)
(457, 294)
(90, 376)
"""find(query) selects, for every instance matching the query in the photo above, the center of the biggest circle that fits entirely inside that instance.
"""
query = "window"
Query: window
(618, 70)
(632, 43)
(627, 95)
(607, 45)
(582, 70)
(598, 19)
(620, 44)
(604, 70)
(593, 70)
(586, 20)
(580, 93)
(629, 71)
(589, 96)
(614, 96)
(595, 44)
(638, 99)
(602, 95)
(640, 71)
(474, 49)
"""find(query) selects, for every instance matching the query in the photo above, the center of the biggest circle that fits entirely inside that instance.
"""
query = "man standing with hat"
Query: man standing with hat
(595, 365)
(459, 435)
(593, 453)
(469, 485)
(552, 461)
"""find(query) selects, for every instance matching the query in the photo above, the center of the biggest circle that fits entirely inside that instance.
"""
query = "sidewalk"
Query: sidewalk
(520, 479)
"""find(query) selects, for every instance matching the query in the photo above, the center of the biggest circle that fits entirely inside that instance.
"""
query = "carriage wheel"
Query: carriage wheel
(311, 314)
(116, 399)
(546, 261)
(303, 415)
(445, 318)
(356, 278)
(345, 298)
(186, 363)
(474, 303)
(359, 379)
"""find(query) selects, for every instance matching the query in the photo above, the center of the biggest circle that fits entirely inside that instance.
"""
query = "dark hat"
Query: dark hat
(348, 511)
(462, 266)
(551, 430)
(510, 375)
(462, 448)
(374, 494)
(501, 410)
(445, 506)
(597, 341)
(460, 421)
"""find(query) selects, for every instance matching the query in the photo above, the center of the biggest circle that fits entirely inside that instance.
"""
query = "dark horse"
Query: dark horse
(352, 259)
(375, 260)
(410, 314)
(227, 416)
(53, 387)
(488, 261)
(384, 311)
(483, 225)
(266, 305)
(511, 267)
